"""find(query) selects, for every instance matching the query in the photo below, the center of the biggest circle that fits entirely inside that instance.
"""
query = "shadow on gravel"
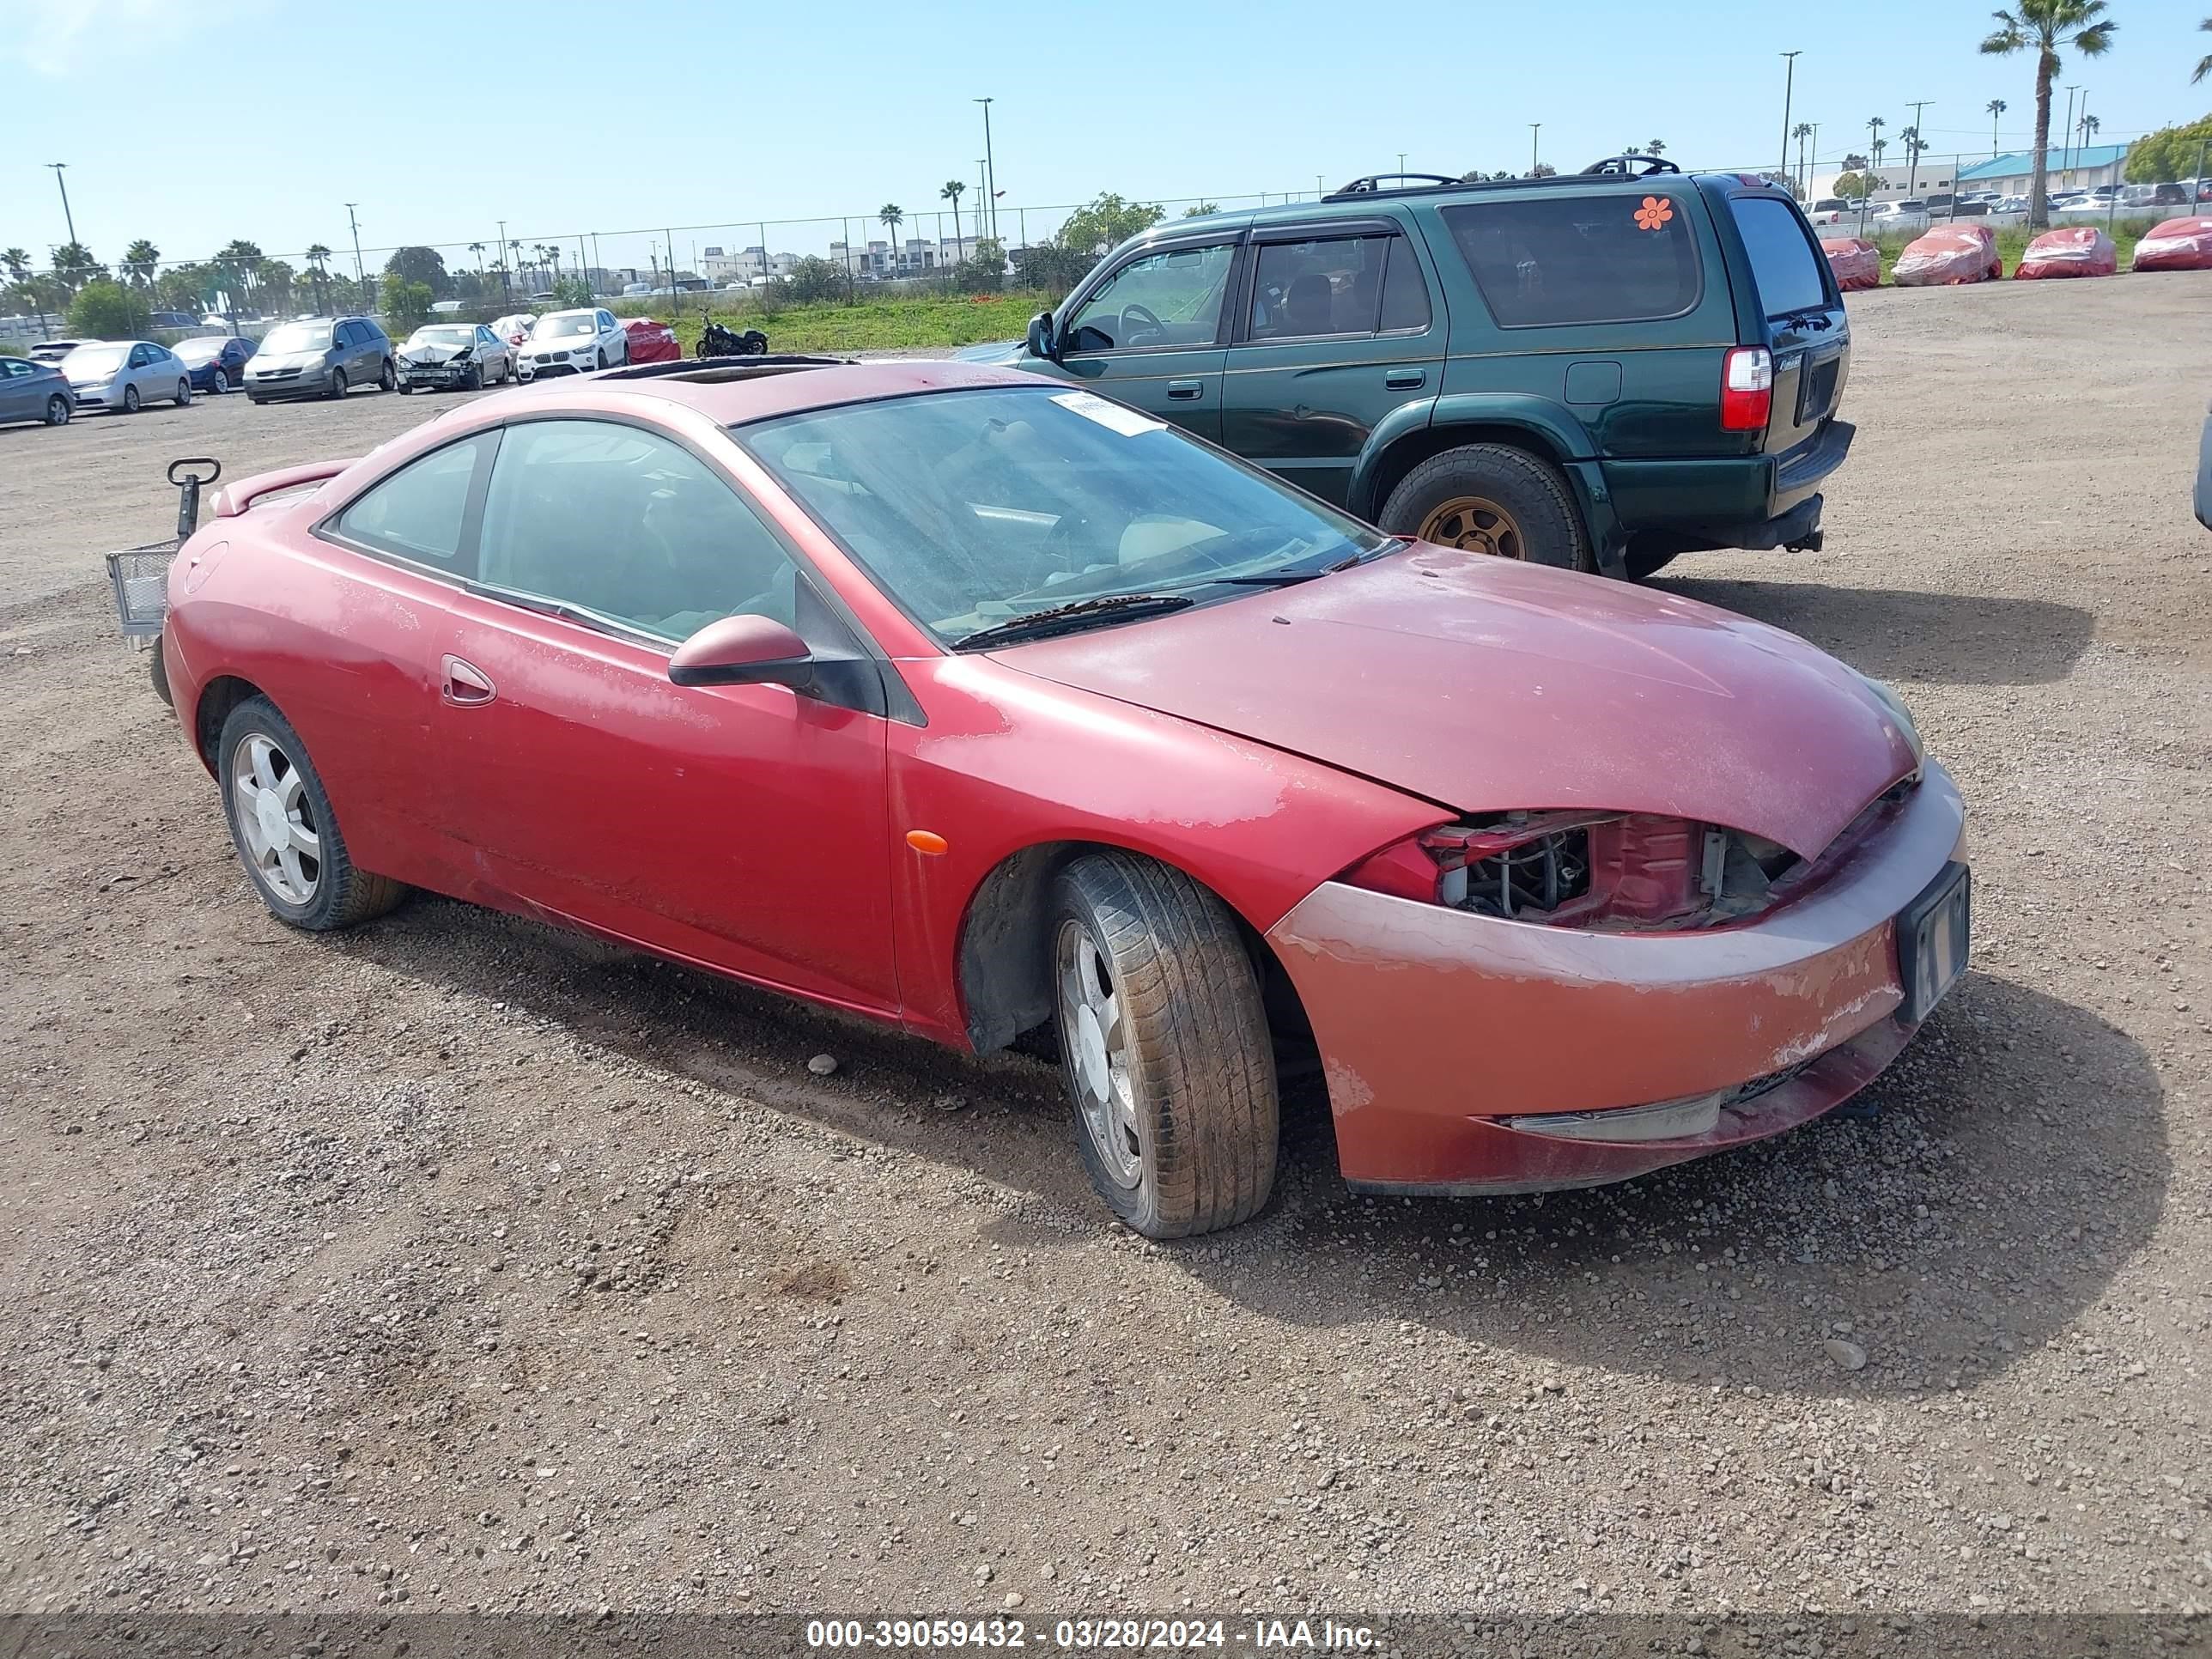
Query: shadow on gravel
(1948, 639)
(2016, 1156)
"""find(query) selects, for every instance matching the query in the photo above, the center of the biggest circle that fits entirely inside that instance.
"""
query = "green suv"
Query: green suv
(1598, 370)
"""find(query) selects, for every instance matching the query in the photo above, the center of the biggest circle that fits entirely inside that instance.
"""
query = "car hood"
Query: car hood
(1486, 686)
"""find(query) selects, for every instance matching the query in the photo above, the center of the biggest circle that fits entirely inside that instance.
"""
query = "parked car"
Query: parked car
(466, 356)
(323, 357)
(217, 362)
(33, 391)
(979, 705)
(171, 319)
(1908, 216)
(576, 342)
(651, 341)
(53, 351)
(1831, 210)
(1521, 368)
(2012, 204)
(125, 375)
(515, 328)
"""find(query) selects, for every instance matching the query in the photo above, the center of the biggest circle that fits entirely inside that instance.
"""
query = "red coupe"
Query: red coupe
(977, 705)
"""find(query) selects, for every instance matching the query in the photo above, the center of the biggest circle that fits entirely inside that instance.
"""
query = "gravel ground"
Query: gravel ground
(456, 1264)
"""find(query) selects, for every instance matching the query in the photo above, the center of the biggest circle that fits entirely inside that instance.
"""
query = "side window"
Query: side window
(138, 359)
(1171, 298)
(1781, 255)
(606, 321)
(419, 511)
(1331, 286)
(1405, 296)
(1605, 257)
(13, 367)
(342, 335)
(627, 524)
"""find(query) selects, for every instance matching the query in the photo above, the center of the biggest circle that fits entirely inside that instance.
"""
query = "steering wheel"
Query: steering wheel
(1140, 314)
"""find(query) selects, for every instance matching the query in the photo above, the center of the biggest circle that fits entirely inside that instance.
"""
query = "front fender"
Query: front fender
(1486, 415)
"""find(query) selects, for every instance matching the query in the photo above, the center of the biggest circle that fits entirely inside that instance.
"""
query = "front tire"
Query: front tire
(286, 835)
(603, 357)
(1164, 1047)
(130, 400)
(1490, 499)
(337, 383)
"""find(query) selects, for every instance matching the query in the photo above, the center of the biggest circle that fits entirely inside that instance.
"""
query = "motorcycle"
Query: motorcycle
(718, 341)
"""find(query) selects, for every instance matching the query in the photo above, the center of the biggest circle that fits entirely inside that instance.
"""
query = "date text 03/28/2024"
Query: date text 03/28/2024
(1324, 1636)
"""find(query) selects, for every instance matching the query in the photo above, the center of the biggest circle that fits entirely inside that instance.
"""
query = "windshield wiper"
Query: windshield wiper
(1289, 578)
(1066, 618)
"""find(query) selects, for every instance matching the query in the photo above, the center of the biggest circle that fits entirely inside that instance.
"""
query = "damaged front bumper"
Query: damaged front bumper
(1469, 1055)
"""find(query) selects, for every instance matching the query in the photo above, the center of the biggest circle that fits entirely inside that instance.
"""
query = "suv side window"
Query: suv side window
(1605, 257)
(1171, 298)
(629, 526)
(1327, 286)
(1405, 294)
(1782, 259)
(418, 513)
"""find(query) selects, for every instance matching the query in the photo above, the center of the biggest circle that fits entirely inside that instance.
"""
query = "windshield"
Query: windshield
(297, 337)
(555, 328)
(443, 337)
(973, 507)
(96, 359)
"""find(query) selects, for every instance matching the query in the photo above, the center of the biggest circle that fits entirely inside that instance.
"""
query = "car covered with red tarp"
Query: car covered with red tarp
(1949, 255)
(2177, 244)
(1855, 261)
(2070, 251)
(651, 341)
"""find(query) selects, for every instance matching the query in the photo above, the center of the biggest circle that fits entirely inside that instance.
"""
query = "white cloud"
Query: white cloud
(58, 38)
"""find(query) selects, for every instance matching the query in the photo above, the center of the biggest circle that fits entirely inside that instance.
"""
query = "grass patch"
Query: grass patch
(869, 326)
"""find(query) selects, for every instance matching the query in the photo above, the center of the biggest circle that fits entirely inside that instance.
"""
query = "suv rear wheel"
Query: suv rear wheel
(1490, 499)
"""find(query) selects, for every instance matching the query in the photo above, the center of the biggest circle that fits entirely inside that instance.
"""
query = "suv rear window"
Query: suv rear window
(1782, 261)
(1601, 259)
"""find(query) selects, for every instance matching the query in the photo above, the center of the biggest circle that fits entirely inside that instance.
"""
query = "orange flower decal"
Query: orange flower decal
(1656, 212)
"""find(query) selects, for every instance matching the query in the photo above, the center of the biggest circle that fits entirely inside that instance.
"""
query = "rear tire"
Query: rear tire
(183, 393)
(57, 410)
(1491, 498)
(295, 856)
(387, 377)
(1164, 1047)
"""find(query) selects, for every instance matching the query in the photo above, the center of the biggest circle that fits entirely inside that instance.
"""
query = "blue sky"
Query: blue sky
(439, 120)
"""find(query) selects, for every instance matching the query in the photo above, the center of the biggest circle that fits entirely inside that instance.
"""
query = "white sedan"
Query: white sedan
(126, 374)
(575, 343)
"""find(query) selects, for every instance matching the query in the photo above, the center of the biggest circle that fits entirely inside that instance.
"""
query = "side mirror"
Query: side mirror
(746, 650)
(1041, 341)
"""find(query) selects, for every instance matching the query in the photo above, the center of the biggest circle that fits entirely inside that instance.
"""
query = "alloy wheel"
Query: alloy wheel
(130, 400)
(275, 820)
(1097, 1041)
(1475, 524)
(57, 410)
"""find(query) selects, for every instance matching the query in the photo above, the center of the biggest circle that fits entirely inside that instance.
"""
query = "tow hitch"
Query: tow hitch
(140, 575)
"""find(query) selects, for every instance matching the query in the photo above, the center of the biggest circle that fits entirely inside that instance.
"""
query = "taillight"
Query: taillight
(1747, 389)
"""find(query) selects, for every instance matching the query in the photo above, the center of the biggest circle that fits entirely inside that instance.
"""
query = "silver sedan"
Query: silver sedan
(126, 374)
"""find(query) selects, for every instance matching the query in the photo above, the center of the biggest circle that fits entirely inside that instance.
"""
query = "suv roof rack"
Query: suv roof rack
(711, 371)
(1428, 184)
(1631, 165)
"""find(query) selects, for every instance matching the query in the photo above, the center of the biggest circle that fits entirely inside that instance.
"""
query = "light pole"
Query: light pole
(2066, 138)
(64, 183)
(990, 174)
(1814, 162)
(1535, 127)
(506, 295)
(1788, 88)
(1401, 164)
(360, 276)
(1913, 148)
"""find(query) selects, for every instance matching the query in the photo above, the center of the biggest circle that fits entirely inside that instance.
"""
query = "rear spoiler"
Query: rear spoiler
(234, 499)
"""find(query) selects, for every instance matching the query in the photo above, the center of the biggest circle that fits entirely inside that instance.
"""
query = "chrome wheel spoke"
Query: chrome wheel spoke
(1096, 1039)
(274, 817)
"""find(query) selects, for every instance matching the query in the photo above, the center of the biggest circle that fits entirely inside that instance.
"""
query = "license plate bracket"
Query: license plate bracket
(1934, 939)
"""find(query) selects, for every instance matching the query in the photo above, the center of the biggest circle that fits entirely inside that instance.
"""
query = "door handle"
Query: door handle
(1186, 391)
(463, 684)
(1405, 380)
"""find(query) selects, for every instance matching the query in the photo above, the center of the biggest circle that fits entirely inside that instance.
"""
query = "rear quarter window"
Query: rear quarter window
(1784, 261)
(1606, 258)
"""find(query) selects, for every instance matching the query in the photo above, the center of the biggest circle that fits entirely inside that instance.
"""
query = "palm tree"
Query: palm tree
(17, 263)
(139, 260)
(2088, 125)
(477, 248)
(1996, 107)
(1654, 146)
(514, 246)
(2203, 63)
(951, 193)
(2043, 27)
(318, 257)
(892, 215)
(1801, 132)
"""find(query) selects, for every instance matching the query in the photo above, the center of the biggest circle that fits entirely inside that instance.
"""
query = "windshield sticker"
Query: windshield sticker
(1655, 213)
(1111, 415)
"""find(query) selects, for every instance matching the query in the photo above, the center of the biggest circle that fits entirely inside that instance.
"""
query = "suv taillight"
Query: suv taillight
(1747, 389)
